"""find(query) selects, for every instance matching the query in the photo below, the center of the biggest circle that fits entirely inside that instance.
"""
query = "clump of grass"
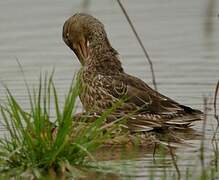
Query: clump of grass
(34, 146)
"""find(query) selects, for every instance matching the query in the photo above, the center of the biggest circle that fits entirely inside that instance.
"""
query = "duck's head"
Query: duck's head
(81, 32)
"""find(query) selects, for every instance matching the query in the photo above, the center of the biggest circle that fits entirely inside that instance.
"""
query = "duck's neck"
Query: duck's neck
(103, 58)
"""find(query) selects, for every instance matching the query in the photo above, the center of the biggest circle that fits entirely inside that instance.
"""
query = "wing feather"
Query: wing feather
(139, 94)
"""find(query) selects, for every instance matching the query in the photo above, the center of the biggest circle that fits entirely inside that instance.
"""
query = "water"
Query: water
(182, 38)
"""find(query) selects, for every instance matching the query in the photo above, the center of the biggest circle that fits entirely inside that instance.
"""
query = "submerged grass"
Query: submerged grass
(34, 146)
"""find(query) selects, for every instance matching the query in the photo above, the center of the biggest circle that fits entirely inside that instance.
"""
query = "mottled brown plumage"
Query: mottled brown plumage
(105, 83)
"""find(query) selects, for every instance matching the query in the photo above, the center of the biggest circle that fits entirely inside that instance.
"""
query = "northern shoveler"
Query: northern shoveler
(104, 82)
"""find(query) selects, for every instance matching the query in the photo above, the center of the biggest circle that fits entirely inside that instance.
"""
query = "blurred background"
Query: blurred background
(181, 37)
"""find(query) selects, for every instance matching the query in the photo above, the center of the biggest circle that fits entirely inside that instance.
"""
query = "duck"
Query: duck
(105, 85)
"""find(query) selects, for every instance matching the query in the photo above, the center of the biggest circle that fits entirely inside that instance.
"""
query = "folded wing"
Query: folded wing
(147, 108)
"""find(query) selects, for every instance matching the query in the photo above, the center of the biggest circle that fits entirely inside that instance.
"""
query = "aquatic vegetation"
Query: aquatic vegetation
(35, 146)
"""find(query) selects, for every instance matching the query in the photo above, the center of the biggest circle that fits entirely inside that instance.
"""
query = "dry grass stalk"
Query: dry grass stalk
(215, 102)
(174, 162)
(140, 42)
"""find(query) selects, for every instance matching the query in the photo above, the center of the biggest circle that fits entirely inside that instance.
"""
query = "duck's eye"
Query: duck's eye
(67, 39)
(67, 35)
